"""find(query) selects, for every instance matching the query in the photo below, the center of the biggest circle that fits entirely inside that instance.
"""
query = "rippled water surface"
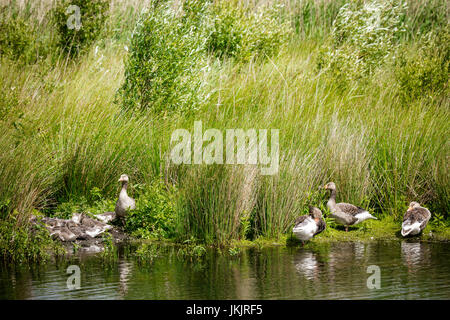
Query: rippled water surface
(408, 270)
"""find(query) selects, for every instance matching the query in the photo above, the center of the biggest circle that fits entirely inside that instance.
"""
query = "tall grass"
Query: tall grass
(63, 134)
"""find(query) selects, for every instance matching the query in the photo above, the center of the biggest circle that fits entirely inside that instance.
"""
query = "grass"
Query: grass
(63, 134)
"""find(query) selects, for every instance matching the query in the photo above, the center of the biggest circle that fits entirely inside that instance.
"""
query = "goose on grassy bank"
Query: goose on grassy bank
(415, 219)
(345, 213)
(308, 226)
(124, 202)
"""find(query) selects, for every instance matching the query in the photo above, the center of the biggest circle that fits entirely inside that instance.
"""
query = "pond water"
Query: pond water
(408, 270)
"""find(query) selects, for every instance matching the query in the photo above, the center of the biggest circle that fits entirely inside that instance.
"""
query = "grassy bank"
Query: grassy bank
(375, 123)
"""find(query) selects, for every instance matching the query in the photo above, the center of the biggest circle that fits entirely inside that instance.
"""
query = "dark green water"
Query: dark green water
(408, 270)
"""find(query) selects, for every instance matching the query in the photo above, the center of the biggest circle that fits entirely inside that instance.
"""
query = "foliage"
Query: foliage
(21, 242)
(190, 248)
(162, 72)
(154, 216)
(65, 142)
(426, 16)
(95, 203)
(16, 40)
(424, 73)
(364, 36)
(314, 19)
(244, 32)
(109, 249)
(146, 253)
(93, 14)
(167, 67)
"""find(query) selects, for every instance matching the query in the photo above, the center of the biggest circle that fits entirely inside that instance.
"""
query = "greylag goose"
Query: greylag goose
(124, 202)
(345, 213)
(308, 226)
(415, 219)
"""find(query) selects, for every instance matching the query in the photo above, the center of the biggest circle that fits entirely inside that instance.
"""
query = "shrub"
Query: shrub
(154, 216)
(21, 242)
(425, 72)
(241, 33)
(93, 14)
(169, 47)
(166, 53)
(16, 39)
(364, 35)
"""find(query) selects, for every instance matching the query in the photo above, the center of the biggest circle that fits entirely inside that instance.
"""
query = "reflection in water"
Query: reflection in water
(306, 264)
(409, 270)
(125, 270)
(416, 255)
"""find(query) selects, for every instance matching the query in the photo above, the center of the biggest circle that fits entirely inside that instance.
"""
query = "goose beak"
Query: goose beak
(325, 187)
(409, 209)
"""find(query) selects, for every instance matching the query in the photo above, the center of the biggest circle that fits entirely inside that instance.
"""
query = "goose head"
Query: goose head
(330, 186)
(123, 178)
(413, 205)
(315, 213)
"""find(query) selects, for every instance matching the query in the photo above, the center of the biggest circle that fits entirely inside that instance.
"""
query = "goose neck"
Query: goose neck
(124, 188)
(332, 201)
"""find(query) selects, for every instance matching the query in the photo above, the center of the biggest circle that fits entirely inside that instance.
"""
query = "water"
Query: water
(408, 270)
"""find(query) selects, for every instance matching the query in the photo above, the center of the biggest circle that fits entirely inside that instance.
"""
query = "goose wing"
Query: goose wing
(420, 214)
(300, 220)
(350, 208)
(321, 225)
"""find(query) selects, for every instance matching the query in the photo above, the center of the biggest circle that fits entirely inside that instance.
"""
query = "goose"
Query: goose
(62, 233)
(308, 226)
(345, 213)
(124, 202)
(415, 219)
(93, 227)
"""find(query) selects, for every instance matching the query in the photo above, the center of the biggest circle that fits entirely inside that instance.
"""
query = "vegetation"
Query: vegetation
(78, 23)
(356, 101)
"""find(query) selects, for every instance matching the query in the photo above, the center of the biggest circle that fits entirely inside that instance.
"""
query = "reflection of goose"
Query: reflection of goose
(306, 264)
(306, 227)
(415, 219)
(125, 269)
(345, 213)
(415, 254)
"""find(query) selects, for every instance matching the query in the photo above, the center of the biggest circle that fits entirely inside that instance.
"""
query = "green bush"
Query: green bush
(425, 72)
(23, 242)
(93, 14)
(243, 32)
(166, 55)
(16, 40)
(154, 216)
(364, 36)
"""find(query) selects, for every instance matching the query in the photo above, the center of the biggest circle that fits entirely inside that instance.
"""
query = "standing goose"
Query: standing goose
(345, 213)
(308, 226)
(124, 202)
(415, 219)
